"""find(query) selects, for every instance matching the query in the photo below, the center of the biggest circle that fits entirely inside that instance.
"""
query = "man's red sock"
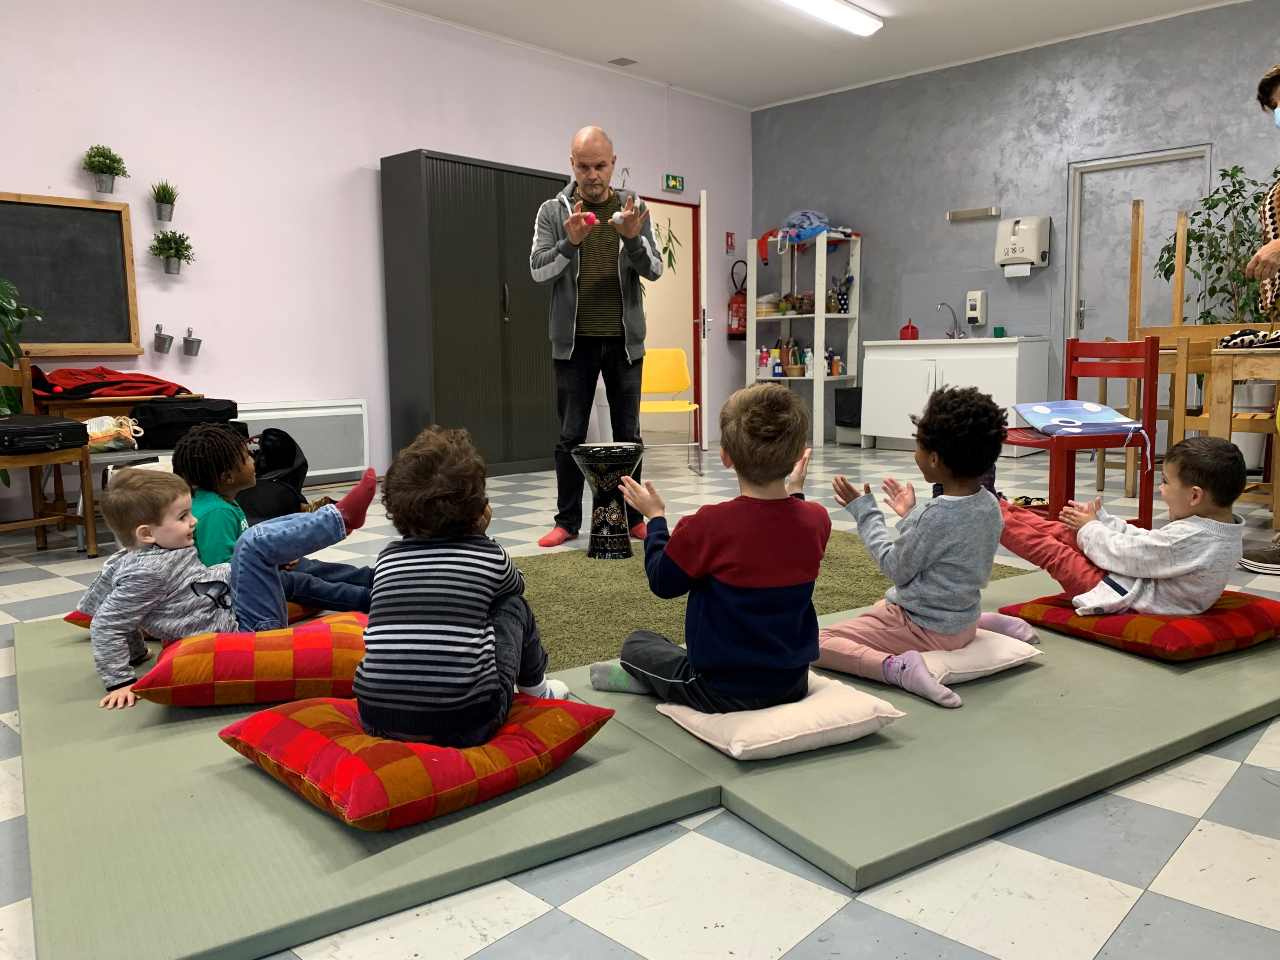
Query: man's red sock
(356, 503)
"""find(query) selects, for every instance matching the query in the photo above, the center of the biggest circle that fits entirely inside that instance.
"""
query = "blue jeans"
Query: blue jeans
(329, 586)
(257, 582)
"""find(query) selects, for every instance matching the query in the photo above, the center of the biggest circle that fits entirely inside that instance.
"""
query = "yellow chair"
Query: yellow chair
(667, 371)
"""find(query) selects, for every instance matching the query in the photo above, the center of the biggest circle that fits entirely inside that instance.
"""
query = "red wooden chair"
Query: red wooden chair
(1140, 360)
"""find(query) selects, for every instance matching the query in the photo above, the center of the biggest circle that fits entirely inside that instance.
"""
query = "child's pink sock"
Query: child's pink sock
(356, 503)
(1014, 627)
(909, 671)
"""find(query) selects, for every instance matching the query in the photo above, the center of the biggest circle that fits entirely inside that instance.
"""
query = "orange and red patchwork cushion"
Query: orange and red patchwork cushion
(296, 612)
(1236, 621)
(315, 659)
(318, 750)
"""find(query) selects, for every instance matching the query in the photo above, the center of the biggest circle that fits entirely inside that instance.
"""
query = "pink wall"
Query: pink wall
(271, 117)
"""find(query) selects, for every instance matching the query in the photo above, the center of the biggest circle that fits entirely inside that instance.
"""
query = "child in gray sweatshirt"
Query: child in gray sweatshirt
(158, 584)
(942, 557)
(1111, 566)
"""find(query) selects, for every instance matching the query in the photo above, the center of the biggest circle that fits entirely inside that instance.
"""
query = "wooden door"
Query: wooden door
(466, 310)
(529, 390)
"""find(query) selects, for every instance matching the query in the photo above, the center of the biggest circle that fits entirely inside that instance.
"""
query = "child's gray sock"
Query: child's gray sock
(909, 671)
(609, 675)
(1014, 627)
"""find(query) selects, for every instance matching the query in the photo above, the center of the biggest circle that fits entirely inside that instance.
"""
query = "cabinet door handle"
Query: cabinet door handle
(506, 300)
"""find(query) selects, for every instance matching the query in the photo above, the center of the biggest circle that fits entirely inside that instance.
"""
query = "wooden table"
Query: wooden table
(86, 408)
(1227, 368)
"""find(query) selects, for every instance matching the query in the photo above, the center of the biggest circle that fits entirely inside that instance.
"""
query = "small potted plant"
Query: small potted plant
(105, 165)
(165, 195)
(173, 248)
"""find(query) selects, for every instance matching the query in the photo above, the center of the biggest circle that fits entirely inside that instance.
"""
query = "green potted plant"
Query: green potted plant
(13, 314)
(1223, 233)
(105, 165)
(165, 195)
(173, 248)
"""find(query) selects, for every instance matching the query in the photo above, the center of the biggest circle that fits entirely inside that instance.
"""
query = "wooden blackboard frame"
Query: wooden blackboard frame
(134, 346)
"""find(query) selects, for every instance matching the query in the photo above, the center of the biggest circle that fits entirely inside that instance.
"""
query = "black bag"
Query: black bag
(282, 470)
(33, 433)
(849, 406)
(166, 420)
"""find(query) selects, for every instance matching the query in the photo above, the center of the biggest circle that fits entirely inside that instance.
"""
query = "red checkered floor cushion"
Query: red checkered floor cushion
(318, 750)
(313, 659)
(1236, 621)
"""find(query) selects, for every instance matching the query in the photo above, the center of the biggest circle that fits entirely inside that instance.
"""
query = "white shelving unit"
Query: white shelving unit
(765, 331)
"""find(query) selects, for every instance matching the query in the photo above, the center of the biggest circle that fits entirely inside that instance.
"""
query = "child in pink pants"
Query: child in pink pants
(942, 557)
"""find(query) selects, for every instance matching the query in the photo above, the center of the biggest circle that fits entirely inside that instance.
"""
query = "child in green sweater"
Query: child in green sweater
(216, 464)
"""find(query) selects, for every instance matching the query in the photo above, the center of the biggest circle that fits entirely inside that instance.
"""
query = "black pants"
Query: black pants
(520, 660)
(665, 667)
(575, 394)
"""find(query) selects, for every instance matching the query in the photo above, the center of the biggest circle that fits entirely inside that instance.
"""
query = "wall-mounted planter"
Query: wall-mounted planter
(164, 211)
(190, 344)
(172, 264)
(104, 182)
(163, 340)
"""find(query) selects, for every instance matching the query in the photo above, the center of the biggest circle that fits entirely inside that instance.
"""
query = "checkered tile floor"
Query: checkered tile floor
(1180, 864)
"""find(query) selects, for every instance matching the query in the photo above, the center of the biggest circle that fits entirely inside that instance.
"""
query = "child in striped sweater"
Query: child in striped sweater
(450, 633)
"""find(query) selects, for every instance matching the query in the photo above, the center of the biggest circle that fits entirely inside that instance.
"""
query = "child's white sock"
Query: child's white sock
(547, 690)
(1014, 627)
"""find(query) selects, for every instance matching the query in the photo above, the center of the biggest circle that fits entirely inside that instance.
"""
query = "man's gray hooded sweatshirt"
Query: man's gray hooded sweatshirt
(555, 259)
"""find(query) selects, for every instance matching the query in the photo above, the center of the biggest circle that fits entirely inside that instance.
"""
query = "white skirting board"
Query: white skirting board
(334, 434)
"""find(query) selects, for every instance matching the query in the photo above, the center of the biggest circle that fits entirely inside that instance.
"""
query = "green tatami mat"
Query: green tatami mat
(151, 838)
(587, 607)
(1076, 720)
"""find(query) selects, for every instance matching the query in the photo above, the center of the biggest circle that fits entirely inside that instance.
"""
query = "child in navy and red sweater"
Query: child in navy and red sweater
(748, 565)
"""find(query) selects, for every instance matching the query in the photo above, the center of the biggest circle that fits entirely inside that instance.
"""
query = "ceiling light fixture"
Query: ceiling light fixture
(623, 62)
(841, 14)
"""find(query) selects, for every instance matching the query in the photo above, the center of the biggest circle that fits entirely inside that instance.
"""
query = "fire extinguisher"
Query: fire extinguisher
(738, 303)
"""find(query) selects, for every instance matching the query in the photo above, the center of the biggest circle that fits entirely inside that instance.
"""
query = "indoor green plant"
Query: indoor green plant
(1223, 234)
(105, 165)
(173, 248)
(164, 194)
(13, 314)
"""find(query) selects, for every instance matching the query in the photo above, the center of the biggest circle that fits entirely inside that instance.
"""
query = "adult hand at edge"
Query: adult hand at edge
(1265, 264)
(576, 226)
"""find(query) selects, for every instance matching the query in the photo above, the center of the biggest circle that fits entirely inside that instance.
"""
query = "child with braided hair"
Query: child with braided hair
(216, 464)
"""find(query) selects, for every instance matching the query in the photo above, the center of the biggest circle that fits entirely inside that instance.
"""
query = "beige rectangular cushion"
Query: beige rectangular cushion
(985, 654)
(830, 713)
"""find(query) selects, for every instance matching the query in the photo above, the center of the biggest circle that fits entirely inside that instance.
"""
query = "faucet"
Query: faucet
(955, 333)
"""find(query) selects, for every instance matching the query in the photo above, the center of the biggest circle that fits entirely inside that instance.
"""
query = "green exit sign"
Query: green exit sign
(672, 182)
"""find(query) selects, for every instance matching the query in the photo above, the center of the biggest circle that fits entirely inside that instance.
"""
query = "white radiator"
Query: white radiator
(334, 434)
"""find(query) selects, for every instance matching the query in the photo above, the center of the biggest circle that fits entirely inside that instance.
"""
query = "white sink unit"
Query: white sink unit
(899, 375)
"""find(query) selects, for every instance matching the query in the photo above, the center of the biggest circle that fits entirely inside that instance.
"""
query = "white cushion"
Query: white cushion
(986, 654)
(831, 712)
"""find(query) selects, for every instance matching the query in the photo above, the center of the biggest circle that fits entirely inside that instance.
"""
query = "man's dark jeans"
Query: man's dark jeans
(575, 394)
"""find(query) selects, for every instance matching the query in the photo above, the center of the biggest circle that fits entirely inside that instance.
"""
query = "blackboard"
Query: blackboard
(73, 261)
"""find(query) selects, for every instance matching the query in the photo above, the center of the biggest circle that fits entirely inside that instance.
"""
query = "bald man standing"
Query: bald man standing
(597, 313)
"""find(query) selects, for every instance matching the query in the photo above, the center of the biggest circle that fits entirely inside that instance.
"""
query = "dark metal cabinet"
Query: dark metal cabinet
(467, 336)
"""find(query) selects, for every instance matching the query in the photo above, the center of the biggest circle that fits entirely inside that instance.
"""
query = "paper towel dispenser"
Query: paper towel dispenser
(1022, 243)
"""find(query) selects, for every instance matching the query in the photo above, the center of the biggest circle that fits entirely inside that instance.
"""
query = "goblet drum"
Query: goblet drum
(604, 465)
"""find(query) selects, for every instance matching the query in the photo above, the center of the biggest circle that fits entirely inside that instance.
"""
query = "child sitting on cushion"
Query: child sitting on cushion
(215, 462)
(158, 584)
(943, 554)
(450, 633)
(1110, 566)
(748, 565)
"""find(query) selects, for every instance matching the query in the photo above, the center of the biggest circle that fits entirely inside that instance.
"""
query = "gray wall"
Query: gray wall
(891, 159)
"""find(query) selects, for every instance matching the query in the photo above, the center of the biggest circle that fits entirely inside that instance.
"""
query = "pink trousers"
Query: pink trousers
(860, 646)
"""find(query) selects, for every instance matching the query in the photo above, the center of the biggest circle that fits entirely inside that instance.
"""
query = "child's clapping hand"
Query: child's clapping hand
(1075, 515)
(901, 498)
(795, 480)
(644, 499)
(846, 492)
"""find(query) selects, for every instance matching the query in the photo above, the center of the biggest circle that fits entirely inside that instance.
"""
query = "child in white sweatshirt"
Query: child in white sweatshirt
(1110, 566)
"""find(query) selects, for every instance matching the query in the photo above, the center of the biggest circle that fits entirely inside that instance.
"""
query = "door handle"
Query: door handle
(506, 303)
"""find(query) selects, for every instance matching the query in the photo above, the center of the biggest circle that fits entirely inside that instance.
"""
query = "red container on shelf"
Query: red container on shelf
(909, 332)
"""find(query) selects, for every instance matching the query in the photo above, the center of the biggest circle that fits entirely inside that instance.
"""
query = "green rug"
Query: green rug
(586, 608)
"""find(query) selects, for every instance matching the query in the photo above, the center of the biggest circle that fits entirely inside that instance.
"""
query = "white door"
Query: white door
(894, 389)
